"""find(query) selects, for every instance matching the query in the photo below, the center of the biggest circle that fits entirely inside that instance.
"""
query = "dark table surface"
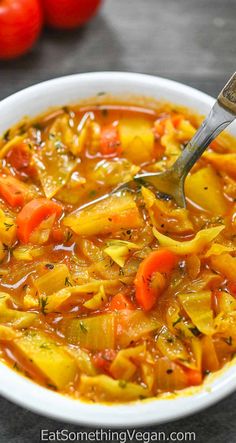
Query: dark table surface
(186, 40)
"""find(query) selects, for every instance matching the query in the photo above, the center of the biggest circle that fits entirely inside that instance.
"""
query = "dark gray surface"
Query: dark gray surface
(186, 40)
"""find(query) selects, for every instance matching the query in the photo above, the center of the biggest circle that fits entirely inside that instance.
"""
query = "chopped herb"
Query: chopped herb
(177, 321)
(22, 129)
(6, 135)
(8, 226)
(44, 346)
(205, 188)
(24, 287)
(69, 235)
(228, 340)
(92, 193)
(49, 266)
(170, 340)
(51, 136)
(83, 328)
(52, 386)
(101, 93)
(58, 144)
(122, 384)
(37, 126)
(16, 367)
(104, 112)
(169, 371)
(43, 302)
(67, 282)
(207, 371)
(195, 331)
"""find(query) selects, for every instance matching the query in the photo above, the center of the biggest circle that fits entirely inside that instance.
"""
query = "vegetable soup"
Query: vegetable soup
(129, 297)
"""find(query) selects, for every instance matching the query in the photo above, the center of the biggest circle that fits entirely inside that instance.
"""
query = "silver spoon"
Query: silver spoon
(170, 183)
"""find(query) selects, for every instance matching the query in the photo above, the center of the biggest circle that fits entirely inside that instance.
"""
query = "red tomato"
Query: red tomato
(68, 14)
(20, 25)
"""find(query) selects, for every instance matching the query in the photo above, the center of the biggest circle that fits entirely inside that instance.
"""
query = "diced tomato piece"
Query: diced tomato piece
(110, 142)
(102, 360)
(19, 158)
(13, 191)
(120, 302)
(194, 376)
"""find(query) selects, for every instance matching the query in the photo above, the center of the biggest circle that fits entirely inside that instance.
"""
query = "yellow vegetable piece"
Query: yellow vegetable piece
(194, 246)
(104, 388)
(119, 250)
(110, 215)
(197, 352)
(2, 251)
(53, 162)
(164, 217)
(133, 326)
(170, 141)
(225, 264)
(93, 333)
(54, 301)
(123, 366)
(18, 319)
(226, 302)
(210, 360)
(218, 249)
(50, 359)
(7, 333)
(7, 229)
(198, 307)
(169, 375)
(83, 360)
(28, 253)
(148, 371)
(114, 172)
(205, 189)
(222, 162)
(137, 139)
(53, 280)
(97, 300)
(185, 130)
(170, 346)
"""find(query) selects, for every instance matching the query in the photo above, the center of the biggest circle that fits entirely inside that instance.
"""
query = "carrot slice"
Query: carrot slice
(120, 302)
(13, 191)
(103, 360)
(151, 277)
(32, 214)
(110, 142)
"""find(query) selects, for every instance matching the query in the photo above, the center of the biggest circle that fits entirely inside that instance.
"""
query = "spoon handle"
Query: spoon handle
(220, 116)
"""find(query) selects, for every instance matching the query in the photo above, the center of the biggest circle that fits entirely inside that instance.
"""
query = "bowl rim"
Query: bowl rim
(40, 400)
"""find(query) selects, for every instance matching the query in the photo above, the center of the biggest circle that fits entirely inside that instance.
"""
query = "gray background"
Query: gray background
(192, 41)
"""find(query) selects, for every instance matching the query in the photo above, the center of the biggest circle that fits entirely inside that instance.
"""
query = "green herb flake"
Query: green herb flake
(44, 346)
(195, 331)
(177, 321)
(228, 340)
(122, 384)
(43, 302)
(67, 282)
(83, 327)
(8, 226)
(6, 135)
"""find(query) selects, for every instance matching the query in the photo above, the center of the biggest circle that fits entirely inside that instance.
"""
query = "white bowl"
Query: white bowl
(62, 91)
